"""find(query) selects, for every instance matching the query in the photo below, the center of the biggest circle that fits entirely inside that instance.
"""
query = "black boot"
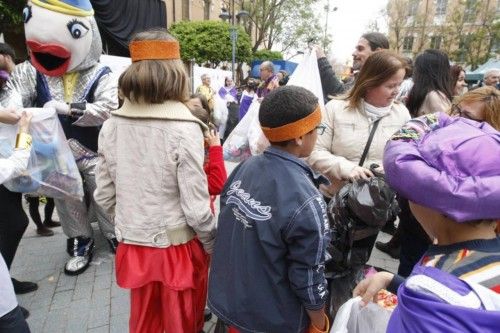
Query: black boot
(80, 249)
(23, 287)
(389, 249)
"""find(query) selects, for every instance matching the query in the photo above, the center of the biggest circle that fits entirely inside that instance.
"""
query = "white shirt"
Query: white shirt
(10, 167)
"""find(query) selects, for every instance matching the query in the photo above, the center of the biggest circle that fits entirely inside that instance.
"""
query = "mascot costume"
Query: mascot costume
(63, 73)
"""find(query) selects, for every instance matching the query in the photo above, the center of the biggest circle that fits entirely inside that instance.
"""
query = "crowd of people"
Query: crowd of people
(149, 152)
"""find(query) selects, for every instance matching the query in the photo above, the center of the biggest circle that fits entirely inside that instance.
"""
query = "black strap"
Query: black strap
(369, 142)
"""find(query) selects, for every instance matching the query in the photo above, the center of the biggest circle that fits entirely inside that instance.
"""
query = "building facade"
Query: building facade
(468, 30)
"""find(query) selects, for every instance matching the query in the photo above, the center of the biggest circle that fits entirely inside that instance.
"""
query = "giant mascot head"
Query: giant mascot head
(61, 35)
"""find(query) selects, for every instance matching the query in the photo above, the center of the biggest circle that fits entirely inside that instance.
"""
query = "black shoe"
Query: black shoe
(24, 287)
(51, 224)
(388, 249)
(44, 231)
(25, 312)
(389, 228)
(208, 314)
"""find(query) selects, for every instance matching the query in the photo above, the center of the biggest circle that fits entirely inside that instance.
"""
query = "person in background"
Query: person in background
(42, 227)
(367, 44)
(431, 92)
(269, 79)
(12, 316)
(267, 271)
(229, 93)
(338, 151)
(150, 179)
(458, 80)
(282, 77)
(492, 77)
(247, 97)
(432, 89)
(206, 90)
(407, 84)
(214, 160)
(13, 219)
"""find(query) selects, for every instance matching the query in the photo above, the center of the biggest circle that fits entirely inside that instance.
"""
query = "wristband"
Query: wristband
(23, 141)
(314, 329)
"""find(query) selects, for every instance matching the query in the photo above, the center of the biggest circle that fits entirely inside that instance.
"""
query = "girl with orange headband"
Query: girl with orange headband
(150, 179)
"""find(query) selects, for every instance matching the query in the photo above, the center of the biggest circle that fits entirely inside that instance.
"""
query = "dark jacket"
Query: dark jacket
(329, 82)
(268, 262)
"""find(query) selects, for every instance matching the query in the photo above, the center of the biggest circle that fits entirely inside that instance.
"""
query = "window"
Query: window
(441, 7)
(470, 11)
(436, 42)
(463, 47)
(185, 9)
(413, 7)
(408, 44)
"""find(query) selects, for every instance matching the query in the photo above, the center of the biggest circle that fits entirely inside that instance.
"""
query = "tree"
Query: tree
(397, 17)
(287, 23)
(210, 42)
(11, 25)
(267, 55)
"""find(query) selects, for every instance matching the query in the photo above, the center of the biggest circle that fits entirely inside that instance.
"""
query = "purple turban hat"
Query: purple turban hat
(449, 164)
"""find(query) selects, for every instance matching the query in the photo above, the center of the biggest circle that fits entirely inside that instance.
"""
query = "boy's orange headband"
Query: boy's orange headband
(154, 50)
(295, 129)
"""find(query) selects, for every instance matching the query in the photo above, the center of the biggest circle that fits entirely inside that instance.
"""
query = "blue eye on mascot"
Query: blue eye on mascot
(64, 73)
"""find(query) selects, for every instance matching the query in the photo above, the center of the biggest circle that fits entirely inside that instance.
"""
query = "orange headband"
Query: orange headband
(154, 50)
(295, 129)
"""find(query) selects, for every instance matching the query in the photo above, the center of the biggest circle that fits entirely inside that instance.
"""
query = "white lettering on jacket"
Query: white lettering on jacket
(246, 204)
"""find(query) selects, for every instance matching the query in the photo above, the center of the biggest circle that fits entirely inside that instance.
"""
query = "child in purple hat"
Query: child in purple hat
(448, 167)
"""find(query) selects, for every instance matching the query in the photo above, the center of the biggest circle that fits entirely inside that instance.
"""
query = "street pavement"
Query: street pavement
(90, 302)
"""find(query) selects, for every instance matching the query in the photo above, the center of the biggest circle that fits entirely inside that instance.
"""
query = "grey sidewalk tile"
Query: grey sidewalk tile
(120, 305)
(61, 300)
(56, 321)
(83, 291)
(119, 324)
(102, 281)
(102, 329)
(101, 297)
(99, 316)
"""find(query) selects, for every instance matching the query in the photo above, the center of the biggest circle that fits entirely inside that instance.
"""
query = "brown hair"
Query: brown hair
(378, 68)
(201, 114)
(490, 96)
(155, 81)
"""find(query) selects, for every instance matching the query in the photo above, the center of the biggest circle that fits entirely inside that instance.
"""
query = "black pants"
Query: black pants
(413, 238)
(14, 322)
(13, 223)
(34, 202)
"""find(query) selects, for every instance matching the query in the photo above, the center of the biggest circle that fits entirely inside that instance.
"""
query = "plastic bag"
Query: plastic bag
(236, 148)
(352, 318)
(247, 138)
(52, 170)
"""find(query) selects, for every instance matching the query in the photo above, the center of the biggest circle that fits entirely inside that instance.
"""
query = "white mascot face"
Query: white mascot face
(57, 42)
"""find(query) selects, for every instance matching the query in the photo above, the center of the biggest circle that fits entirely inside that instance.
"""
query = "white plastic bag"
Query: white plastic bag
(247, 137)
(236, 147)
(352, 318)
(52, 170)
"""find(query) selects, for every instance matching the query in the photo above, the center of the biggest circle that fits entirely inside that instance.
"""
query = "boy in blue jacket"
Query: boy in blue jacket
(267, 270)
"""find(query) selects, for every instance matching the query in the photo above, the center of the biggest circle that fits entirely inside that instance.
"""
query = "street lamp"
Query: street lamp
(230, 15)
(327, 10)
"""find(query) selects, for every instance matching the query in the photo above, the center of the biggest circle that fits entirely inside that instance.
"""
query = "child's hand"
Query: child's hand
(369, 287)
(9, 116)
(213, 138)
(25, 121)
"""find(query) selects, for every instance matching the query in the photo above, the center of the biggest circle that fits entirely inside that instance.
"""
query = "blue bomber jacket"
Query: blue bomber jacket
(268, 262)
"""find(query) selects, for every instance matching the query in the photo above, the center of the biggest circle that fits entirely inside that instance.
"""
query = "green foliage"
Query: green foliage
(267, 55)
(11, 15)
(210, 42)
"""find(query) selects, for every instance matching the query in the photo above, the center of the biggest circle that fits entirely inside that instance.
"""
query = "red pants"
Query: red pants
(168, 286)
(155, 309)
